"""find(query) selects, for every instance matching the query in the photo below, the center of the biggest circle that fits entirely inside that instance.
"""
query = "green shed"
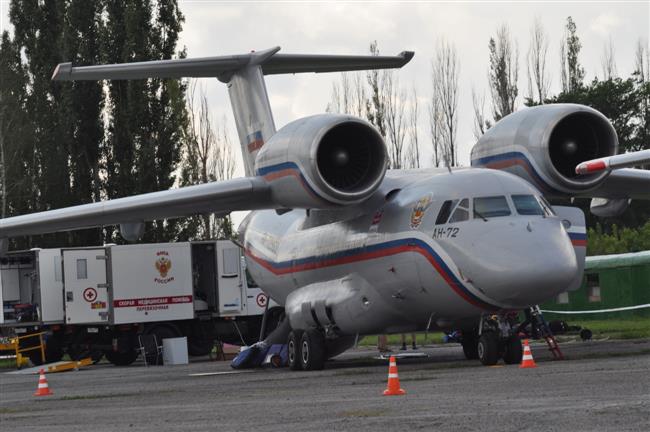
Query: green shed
(609, 282)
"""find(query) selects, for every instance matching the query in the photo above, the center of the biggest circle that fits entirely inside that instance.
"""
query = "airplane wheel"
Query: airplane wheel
(312, 350)
(488, 348)
(293, 350)
(513, 350)
(470, 347)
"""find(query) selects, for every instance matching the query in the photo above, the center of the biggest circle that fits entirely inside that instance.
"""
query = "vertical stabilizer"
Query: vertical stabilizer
(244, 74)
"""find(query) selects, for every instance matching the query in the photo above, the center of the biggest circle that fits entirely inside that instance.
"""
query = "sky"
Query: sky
(224, 27)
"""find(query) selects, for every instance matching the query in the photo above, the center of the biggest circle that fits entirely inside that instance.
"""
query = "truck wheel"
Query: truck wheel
(513, 350)
(312, 350)
(199, 347)
(121, 358)
(488, 348)
(293, 350)
(163, 331)
(470, 347)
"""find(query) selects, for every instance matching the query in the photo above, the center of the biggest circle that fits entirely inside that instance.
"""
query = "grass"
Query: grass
(396, 340)
(630, 328)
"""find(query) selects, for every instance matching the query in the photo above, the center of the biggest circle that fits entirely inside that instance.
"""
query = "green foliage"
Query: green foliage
(502, 74)
(619, 240)
(574, 74)
(78, 143)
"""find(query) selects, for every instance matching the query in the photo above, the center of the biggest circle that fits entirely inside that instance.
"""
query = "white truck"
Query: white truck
(100, 300)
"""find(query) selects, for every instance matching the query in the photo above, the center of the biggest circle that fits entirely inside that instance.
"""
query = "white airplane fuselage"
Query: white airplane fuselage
(388, 255)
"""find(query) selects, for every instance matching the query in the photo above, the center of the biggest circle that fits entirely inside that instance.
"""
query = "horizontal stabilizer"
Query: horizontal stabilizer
(223, 67)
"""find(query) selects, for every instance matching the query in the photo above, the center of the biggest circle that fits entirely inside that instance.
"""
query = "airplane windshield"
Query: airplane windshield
(527, 205)
(488, 207)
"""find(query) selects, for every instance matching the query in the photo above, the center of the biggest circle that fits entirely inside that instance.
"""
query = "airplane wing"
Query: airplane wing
(248, 193)
(625, 183)
(622, 182)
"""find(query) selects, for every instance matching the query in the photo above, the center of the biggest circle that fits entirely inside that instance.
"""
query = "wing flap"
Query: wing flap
(624, 183)
(248, 193)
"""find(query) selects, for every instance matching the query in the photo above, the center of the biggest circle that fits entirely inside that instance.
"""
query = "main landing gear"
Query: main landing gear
(495, 339)
(306, 349)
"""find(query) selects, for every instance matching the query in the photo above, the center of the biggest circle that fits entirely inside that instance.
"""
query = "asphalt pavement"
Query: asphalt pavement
(602, 386)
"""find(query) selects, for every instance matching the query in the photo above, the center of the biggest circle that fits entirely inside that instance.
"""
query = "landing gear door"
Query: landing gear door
(85, 286)
(229, 279)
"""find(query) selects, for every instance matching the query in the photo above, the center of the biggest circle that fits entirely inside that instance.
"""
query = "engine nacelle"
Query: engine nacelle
(323, 161)
(544, 144)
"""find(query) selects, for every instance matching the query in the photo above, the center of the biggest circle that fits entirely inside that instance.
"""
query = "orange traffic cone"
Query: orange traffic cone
(527, 359)
(393, 388)
(43, 389)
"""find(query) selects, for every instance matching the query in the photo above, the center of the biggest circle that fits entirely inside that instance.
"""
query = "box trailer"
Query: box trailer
(111, 297)
(31, 288)
(31, 285)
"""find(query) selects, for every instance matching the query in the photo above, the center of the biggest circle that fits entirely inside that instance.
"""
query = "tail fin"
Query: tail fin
(244, 75)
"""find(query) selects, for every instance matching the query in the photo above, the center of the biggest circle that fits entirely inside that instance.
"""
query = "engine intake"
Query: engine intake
(323, 160)
(544, 144)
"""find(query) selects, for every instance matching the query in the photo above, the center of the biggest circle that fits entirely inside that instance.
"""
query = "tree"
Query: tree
(608, 62)
(376, 102)
(15, 167)
(446, 69)
(436, 127)
(348, 95)
(395, 118)
(503, 73)
(207, 157)
(572, 73)
(413, 153)
(481, 123)
(147, 117)
(538, 79)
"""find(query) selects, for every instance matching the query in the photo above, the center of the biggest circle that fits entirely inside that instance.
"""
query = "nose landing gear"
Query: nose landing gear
(498, 339)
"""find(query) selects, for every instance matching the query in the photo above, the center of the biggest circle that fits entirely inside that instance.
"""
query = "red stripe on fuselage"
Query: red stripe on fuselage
(579, 243)
(367, 256)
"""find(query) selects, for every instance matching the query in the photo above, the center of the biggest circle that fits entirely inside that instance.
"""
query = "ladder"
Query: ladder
(539, 323)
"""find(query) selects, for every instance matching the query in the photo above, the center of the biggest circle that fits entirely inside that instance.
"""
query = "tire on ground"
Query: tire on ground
(513, 350)
(161, 331)
(312, 350)
(488, 348)
(293, 350)
(121, 358)
(470, 347)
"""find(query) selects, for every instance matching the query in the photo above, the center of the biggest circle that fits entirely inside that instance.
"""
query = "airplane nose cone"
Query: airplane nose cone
(522, 263)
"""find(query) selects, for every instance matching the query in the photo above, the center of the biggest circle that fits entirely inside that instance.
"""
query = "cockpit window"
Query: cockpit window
(548, 208)
(444, 212)
(461, 213)
(487, 207)
(527, 205)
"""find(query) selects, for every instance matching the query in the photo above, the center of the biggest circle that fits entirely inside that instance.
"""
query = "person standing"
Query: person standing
(412, 342)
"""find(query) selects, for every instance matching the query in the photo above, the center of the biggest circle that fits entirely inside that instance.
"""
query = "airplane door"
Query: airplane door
(85, 285)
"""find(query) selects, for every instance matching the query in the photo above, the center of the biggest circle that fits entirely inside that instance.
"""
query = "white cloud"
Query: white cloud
(604, 23)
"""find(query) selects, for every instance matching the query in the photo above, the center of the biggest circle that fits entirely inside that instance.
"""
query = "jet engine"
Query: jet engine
(323, 161)
(544, 144)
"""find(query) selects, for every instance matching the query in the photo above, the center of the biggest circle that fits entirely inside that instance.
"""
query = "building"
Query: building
(610, 281)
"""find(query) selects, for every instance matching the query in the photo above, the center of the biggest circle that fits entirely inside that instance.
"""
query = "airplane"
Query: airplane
(351, 248)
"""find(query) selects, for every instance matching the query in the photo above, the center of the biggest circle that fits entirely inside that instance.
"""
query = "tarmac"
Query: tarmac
(602, 386)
